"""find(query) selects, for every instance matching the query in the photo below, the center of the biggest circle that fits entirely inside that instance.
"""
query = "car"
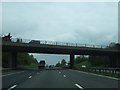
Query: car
(41, 64)
(34, 42)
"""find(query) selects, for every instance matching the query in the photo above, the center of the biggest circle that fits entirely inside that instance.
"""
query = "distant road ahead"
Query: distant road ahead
(58, 79)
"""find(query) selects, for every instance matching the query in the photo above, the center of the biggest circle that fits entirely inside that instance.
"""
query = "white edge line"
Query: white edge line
(97, 74)
(79, 86)
(12, 87)
(11, 74)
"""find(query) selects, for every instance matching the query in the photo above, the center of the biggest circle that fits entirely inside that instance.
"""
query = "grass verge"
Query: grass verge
(27, 66)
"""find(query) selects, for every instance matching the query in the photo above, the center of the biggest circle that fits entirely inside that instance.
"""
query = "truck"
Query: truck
(41, 64)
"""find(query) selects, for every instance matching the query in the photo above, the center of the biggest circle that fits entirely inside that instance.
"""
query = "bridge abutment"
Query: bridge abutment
(114, 61)
(12, 62)
(71, 61)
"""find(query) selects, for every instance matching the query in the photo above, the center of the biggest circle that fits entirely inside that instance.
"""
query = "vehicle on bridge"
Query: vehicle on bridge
(34, 42)
(41, 64)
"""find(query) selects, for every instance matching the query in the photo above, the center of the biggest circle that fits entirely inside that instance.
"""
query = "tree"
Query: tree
(58, 64)
(114, 46)
(26, 59)
(80, 59)
(63, 62)
(19, 40)
(99, 61)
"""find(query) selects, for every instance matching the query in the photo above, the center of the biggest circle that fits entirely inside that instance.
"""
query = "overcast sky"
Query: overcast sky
(77, 22)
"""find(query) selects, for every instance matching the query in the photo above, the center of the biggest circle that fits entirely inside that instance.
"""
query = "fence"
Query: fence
(18, 40)
(106, 71)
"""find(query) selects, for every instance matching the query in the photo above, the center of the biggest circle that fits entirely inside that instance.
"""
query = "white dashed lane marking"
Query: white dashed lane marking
(30, 77)
(64, 75)
(59, 72)
(79, 86)
(12, 87)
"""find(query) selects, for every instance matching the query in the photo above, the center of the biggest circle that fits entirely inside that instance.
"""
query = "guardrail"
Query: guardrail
(106, 71)
(18, 40)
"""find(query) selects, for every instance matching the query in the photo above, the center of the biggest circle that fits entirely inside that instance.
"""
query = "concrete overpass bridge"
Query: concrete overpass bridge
(52, 47)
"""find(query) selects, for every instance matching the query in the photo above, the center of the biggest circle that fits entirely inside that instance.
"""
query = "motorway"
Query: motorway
(64, 79)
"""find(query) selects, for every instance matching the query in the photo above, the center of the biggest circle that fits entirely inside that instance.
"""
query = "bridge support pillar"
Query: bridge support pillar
(71, 61)
(13, 60)
(114, 61)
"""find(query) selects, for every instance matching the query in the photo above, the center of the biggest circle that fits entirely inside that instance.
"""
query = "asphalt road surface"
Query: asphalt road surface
(57, 79)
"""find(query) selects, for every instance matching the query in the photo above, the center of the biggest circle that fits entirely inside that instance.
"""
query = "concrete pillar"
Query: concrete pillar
(71, 61)
(13, 60)
(114, 62)
(118, 61)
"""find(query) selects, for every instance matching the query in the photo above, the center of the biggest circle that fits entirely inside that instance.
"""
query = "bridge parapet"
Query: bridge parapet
(37, 42)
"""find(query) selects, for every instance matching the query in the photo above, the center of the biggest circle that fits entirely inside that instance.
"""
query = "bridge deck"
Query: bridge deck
(56, 49)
